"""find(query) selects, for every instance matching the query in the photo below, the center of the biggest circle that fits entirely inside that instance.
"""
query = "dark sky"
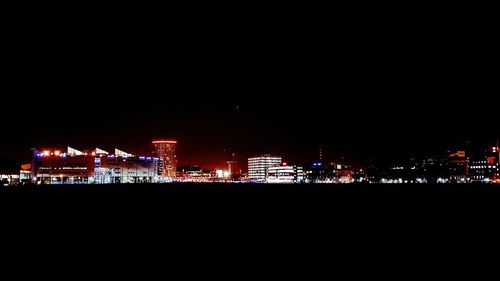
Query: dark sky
(361, 89)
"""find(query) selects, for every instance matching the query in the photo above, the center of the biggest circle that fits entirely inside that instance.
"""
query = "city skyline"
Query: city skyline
(98, 166)
(213, 151)
(218, 159)
(358, 92)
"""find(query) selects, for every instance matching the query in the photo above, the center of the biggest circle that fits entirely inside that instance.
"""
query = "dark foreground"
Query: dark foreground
(259, 217)
(357, 198)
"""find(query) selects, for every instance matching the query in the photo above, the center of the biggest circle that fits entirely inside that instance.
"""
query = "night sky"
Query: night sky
(360, 90)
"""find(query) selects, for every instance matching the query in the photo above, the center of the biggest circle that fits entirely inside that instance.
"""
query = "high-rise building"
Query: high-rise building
(166, 151)
(257, 166)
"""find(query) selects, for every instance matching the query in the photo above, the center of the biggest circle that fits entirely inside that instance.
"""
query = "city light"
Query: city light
(165, 142)
(220, 173)
(59, 166)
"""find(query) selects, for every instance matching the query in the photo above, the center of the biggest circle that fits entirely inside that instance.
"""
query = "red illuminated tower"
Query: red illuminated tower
(166, 151)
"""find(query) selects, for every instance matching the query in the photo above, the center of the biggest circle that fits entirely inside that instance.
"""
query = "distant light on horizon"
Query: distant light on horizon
(164, 141)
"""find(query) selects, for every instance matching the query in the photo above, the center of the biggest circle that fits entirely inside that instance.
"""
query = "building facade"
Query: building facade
(321, 172)
(285, 174)
(257, 166)
(195, 174)
(165, 150)
(52, 166)
(458, 167)
(486, 167)
(113, 169)
(9, 174)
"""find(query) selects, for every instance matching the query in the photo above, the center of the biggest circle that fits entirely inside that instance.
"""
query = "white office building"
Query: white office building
(285, 174)
(257, 166)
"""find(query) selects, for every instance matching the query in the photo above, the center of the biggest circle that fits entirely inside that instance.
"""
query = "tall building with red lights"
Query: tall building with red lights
(166, 151)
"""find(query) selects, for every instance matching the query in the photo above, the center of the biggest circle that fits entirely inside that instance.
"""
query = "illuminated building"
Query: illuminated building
(321, 172)
(486, 167)
(194, 174)
(222, 174)
(9, 173)
(121, 153)
(425, 170)
(9, 177)
(285, 174)
(458, 166)
(53, 166)
(25, 174)
(119, 169)
(166, 151)
(257, 166)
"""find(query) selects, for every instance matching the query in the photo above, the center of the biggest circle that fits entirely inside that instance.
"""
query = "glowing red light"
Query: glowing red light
(165, 141)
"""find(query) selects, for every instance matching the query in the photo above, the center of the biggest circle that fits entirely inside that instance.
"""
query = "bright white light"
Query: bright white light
(46, 153)
(57, 152)
(220, 173)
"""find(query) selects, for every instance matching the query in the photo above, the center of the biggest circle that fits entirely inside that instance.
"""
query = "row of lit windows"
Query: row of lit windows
(282, 174)
(63, 168)
(482, 167)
